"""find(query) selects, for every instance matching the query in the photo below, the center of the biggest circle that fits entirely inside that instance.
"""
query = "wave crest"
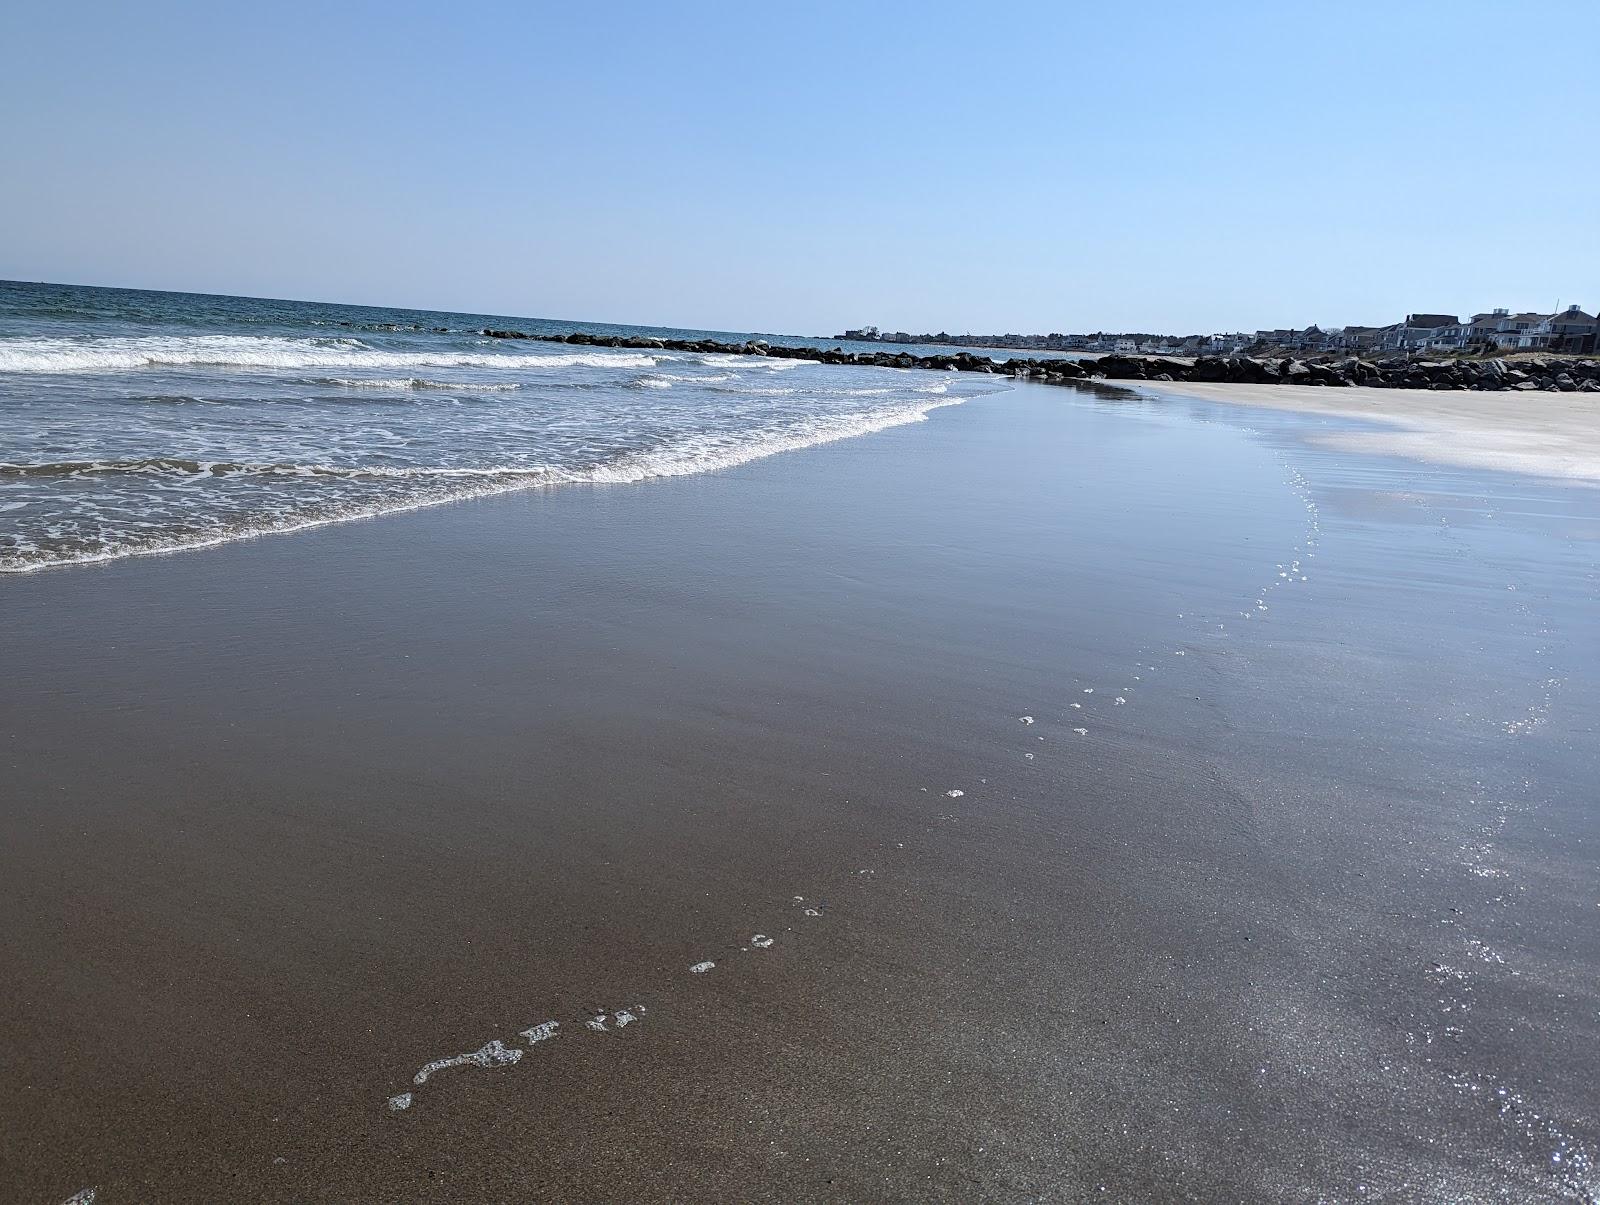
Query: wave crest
(50, 355)
(432, 486)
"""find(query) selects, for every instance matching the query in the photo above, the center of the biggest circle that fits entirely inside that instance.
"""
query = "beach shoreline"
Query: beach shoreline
(997, 725)
(1542, 433)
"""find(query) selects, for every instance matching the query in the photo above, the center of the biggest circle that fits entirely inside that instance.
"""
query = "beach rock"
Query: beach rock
(1391, 373)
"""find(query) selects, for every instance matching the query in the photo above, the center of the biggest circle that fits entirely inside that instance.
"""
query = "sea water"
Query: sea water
(136, 422)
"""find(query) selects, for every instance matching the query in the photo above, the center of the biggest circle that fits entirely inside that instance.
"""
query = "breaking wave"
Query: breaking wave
(420, 383)
(429, 486)
(46, 355)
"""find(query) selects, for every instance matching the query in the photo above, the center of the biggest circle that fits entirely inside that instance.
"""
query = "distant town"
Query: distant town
(1497, 332)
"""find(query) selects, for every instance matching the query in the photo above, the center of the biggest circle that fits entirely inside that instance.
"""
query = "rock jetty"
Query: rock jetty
(1553, 373)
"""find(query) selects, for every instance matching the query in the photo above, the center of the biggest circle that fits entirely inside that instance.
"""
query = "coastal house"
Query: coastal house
(1357, 338)
(1313, 338)
(1571, 330)
(1420, 331)
(1479, 332)
(1515, 332)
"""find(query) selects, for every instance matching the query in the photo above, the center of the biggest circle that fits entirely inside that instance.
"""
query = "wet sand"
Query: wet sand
(1293, 899)
(1539, 433)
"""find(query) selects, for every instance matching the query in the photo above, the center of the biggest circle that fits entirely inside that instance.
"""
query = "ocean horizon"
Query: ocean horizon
(136, 422)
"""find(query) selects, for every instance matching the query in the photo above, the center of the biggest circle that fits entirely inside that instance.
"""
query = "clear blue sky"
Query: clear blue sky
(1038, 166)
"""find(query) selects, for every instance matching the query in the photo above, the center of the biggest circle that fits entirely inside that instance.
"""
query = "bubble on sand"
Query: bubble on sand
(1029, 756)
(84, 1196)
(1075, 706)
(400, 1103)
(495, 1054)
(813, 912)
(1119, 701)
(1027, 719)
(1088, 690)
(761, 941)
(542, 1032)
(955, 794)
(624, 1018)
(598, 1023)
(1081, 731)
(700, 968)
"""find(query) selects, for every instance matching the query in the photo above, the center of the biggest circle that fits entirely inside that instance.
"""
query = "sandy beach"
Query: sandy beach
(1541, 433)
(1061, 799)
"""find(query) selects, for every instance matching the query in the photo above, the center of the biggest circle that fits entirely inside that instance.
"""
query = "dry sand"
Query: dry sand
(1543, 434)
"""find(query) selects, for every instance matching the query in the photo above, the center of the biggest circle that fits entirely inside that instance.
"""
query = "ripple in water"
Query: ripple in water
(132, 432)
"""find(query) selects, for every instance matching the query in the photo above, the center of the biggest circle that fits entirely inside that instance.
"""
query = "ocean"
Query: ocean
(136, 422)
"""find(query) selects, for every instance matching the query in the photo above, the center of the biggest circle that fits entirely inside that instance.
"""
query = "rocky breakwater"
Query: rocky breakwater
(959, 361)
(1552, 373)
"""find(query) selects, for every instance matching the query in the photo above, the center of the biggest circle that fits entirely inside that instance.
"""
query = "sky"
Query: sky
(1170, 167)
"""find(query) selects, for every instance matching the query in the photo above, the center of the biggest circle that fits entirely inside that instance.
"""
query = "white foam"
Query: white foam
(84, 1196)
(494, 1054)
(700, 968)
(272, 353)
(685, 457)
(761, 941)
(418, 383)
(400, 1103)
(542, 1032)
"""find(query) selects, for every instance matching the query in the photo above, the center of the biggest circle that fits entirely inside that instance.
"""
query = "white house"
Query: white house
(1570, 330)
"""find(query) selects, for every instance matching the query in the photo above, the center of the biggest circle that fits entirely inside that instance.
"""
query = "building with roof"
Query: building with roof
(1421, 330)
(1571, 330)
